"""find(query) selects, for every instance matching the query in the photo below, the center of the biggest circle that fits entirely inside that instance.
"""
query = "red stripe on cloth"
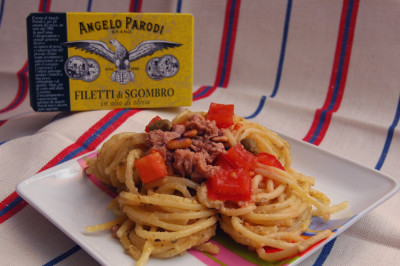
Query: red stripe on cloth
(228, 40)
(324, 128)
(337, 55)
(313, 128)
(8, 200)
(89, 133)
(232, 49)
(223, 45)
(225, 53)
(200, 94)
(135, 6)
(2, 122)
(336, 89)
(19, 206)
(22, 89)
(199, 90)
(345, 68)
(44, 5)
(111, 129)
(336, 60)
(319, 113)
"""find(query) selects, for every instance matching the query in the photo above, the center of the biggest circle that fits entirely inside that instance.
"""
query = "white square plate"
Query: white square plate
(70, 200)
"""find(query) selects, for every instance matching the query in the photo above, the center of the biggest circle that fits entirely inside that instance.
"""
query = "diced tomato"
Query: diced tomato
(223, 161)
(238, 156)
(237, 126)
(232, 181)
(151, 167)
(230, 184)
(269, 159)
(156, 118)
(222, 114)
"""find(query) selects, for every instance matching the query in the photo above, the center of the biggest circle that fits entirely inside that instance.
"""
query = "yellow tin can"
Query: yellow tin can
(86, 61)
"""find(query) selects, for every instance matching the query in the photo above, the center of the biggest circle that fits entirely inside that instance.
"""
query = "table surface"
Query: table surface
(324, 72)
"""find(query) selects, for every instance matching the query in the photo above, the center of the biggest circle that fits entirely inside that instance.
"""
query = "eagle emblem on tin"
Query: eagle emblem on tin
(121, 57)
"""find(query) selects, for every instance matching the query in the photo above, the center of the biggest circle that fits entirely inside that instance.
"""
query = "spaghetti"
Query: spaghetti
(180, 209)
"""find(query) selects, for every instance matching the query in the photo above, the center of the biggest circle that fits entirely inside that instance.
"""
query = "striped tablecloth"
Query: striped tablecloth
(325, 72)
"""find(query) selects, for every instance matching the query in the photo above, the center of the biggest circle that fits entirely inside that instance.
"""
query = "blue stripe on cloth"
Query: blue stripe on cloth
(93, 136)
(89, 6)
(24, 86)
(204, 91)
(389, 138)
(2, 10)
(44, 6)
(326, 250)
(10, 206)
(283, 48)
(135, 6)
(63, 256)
(259, 108)
(281, 60)
(280, 63)
(342, 56)
(321, 123)
(21, 91)
(1, 143)
(228, 43)
(179, 6)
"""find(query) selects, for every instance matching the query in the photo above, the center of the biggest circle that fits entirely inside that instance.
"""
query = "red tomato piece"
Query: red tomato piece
(230, 184)
(237, 126)
(238, 156)
(156, 118)
(271, 249)
(269, 159)
(223, 161)
(222, 114)
(151, 167)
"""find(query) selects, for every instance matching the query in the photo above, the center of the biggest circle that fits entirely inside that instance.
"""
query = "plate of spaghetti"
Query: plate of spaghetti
(205, 188)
